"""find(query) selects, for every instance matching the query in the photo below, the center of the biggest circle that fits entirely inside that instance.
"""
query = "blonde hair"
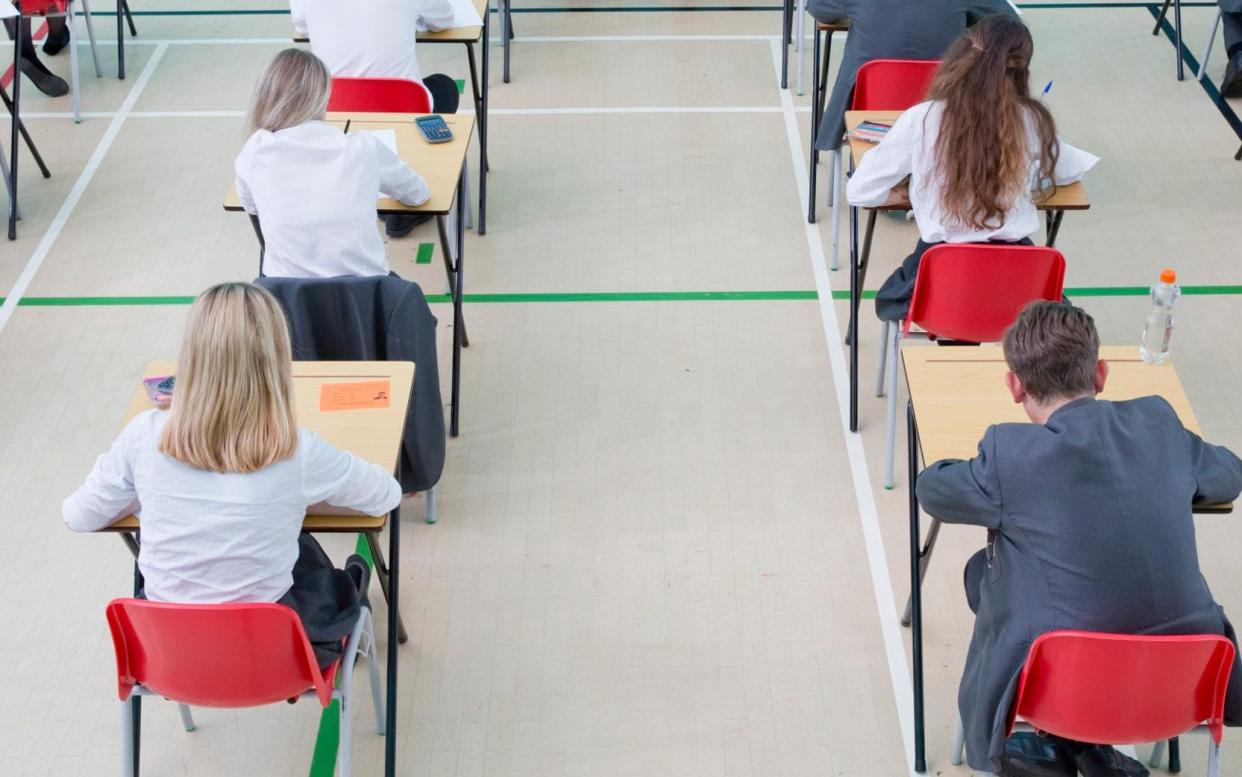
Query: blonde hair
(232, 410)
(293, 90)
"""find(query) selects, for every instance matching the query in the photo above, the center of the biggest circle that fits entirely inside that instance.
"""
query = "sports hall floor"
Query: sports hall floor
(659, 552)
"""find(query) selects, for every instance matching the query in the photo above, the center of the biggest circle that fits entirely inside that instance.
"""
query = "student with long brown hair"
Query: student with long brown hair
(976, 153)
(224, 477)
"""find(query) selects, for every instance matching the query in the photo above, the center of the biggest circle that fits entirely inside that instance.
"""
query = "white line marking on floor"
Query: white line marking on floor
(75, 194)
(867, 518)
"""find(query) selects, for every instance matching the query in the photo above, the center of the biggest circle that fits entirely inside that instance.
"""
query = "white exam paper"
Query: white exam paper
(387, 137)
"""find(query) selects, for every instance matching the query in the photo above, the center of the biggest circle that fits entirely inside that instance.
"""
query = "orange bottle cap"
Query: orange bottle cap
(1168, 276)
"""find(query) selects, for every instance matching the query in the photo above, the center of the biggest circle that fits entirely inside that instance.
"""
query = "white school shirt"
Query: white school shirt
(369, 38)
(908, 149)
(211, 537)
(314, 189)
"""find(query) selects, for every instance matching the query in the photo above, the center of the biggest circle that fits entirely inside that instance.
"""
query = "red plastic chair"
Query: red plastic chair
(229, 655)
(968, 292)
(1123, 689)
(881, 85)
(378, 95)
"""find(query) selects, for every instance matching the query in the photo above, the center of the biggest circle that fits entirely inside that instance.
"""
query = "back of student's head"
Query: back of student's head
(232, 408)
(294, 89)
(1053, 348)
(982, 151)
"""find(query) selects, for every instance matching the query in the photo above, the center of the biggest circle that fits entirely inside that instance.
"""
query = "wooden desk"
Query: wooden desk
(443, 166)
(955, 395)
(468, 36)
(374, 435)
(1070, 197)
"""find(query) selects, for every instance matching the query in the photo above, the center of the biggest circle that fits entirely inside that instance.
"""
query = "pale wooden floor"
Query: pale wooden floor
(652, 557)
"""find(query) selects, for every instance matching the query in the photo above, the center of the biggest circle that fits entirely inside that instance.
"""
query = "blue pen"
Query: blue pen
(1047, 89)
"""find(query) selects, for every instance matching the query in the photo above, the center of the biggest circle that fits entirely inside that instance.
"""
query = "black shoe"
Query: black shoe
(1028, 754)
(1231, 85)
(360, 572)
(402, 224)
(1104, 761)
(56, 42)
(44, 80)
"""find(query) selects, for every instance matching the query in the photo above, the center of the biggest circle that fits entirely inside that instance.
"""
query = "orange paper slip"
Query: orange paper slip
(363, 395)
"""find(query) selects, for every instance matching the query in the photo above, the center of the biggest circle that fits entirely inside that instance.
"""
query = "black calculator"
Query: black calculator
(434, 129)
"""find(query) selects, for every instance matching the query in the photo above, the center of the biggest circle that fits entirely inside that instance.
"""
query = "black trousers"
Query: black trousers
(444, 95)
(325, 598)
(1232, 23)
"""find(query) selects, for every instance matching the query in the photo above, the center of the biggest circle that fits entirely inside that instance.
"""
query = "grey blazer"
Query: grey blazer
(890, 29)
(1091, 529)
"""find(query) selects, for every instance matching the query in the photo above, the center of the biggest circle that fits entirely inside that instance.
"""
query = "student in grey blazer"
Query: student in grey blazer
(891, 29)
(1088, 512)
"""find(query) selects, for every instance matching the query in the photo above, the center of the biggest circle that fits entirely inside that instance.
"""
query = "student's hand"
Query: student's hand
(899, 194)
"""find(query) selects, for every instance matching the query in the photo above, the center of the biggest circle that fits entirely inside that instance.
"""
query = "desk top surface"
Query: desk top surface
(1069, 197)
(440, 164)
(371, 434)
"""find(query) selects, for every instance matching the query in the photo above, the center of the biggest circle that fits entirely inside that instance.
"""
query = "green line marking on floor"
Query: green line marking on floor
(425, 252)
(323, 761)
(461, 85)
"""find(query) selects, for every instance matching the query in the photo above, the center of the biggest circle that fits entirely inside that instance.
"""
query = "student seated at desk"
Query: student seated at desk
(1088, 512)
(312, 186)
(376, 39)
(973, 153)
(223, 479)
(890, 29)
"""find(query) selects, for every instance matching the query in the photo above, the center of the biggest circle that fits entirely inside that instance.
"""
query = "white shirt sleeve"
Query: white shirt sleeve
(341, 479)
(239, 182)
(436, 14)
(108, 493)
(299, 16)
(887, 164)
(1072, 163)
(397, 179)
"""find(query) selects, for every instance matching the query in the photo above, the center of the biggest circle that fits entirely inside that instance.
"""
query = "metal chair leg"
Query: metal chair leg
(129, 760)
(71, 23)
(834, 262)
(187, 718)
(1164, 11)
(879, 379)
(1157, 752)
(373, 659)
(890, 416)
(432, 506)
(1207, 50)
(959, 743)
(90, 33)
(800, 44)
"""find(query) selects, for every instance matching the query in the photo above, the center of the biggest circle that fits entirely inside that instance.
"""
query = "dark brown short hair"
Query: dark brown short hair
(1053, 349)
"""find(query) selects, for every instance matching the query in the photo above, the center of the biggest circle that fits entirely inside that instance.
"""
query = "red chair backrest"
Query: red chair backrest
(1123, 689)
(892, 84)
(378, 95)
(43, 7)
(972, 292)
(214, 655)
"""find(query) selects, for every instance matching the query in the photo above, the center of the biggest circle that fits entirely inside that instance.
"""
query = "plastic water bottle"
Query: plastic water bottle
(1155, 345)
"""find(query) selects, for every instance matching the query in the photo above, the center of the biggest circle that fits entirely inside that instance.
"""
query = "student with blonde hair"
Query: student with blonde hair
(224, 477)
(312, 186)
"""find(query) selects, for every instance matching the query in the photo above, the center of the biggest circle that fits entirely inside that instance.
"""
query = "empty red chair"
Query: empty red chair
(881, 85)
(1123, 689)
(229, 655)
(968, 292)
(378, 95)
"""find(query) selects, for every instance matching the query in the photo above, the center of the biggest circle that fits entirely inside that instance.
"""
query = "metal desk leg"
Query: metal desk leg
(384, 574)
(484, 163)
(786, 23)
(121, 10)
(135, 701)
(16, 123)
(929, 546)
(855, 293)
(446, 250)
(459, 324)
(1054, 226)
(916, 595)
(506, 31)
(1175, 755)
(814, 168)
(1164, 11)
(1177, 28)
(394, 615)
(21, 127)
